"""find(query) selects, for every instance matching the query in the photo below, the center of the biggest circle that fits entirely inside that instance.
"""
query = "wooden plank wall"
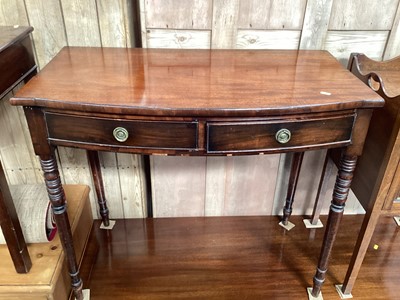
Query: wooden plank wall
(181, 185)
(249, 185)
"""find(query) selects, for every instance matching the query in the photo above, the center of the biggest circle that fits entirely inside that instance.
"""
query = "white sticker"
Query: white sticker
(325, 93)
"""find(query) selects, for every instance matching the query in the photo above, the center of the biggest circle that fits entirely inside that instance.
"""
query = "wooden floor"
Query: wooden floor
(236, 258)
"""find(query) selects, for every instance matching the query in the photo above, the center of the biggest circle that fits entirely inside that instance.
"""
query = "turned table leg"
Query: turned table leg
(93, 157)
(293, 179)
(340, 193)
(58, 204)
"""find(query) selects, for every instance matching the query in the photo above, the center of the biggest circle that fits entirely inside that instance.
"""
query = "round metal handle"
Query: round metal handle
(120, 134)
(283, 136)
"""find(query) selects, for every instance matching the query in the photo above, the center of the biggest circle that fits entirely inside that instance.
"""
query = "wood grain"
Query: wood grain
(267, 39)
(48, 40)
(219, 95)
(173, 189)
(115, 26)
(240, 185)
(393, 43)
(190, 14)
(236, 258)
(363, 15)
(83, 33)
(178, 39)
(315, 25)
(16, 156)
(271, 14)
(13, 12)
(342, 43)
(224, 22)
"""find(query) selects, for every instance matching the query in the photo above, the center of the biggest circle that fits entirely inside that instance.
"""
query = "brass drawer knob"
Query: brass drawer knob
(120, 134)
(283, 136)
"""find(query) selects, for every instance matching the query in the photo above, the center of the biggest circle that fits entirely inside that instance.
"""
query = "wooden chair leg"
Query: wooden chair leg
(94, 161)
(293, 179)
(12, 229)
(322, 189)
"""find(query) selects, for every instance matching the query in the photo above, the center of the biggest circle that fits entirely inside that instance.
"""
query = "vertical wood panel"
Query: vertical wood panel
(224, 20)
(14, 151)
(240, 185)
(178, 186)
(49, 34)
(362, 14)
(315, 26)
(112, 186)
(143, 27)
(114, 23)
(133, 185)
(81, 23)
(393, 45)
(271, 14)
(176, 14)
(13, 12)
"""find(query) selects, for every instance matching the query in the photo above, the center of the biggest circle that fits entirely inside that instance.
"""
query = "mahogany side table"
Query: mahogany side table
(196, 102)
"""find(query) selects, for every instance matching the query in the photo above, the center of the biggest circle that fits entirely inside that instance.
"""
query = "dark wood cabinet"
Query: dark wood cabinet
(16, 64)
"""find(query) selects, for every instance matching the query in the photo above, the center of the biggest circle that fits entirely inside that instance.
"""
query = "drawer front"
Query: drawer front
(16, 61)
(140, 134)
(263, 136)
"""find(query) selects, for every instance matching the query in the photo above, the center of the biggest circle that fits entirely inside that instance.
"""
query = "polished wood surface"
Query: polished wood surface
(17, 60)
(236, 258)
(196, 103)
(16, 64)
(195, 83)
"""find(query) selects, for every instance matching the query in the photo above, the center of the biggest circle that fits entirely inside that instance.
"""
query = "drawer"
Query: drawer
(16, 62)
(138, 133)
(262, 136)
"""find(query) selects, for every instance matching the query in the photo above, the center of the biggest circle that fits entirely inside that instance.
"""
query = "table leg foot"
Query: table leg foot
(340, 292)
(288, 226)
(308, 224)
(311, 297)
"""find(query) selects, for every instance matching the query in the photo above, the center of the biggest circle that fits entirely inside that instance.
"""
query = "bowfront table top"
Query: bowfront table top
(195, 102)
(196, 83)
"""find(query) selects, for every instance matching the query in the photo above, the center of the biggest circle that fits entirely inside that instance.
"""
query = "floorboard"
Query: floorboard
(236, 258)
